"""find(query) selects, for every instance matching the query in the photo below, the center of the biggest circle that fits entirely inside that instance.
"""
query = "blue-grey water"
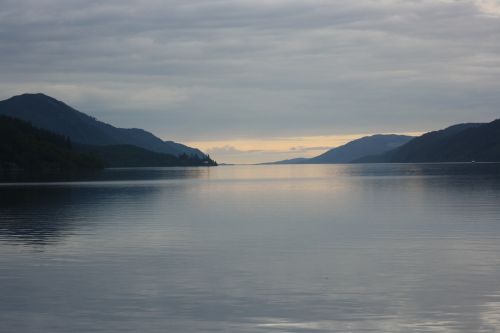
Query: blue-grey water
(318, 248)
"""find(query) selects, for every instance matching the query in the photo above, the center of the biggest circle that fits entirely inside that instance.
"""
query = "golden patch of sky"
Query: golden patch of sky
(489, 7)
(254, 150)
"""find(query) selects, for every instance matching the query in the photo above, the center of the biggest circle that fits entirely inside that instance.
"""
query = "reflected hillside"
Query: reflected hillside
(145, 174)
(43, 213)
(35, 214)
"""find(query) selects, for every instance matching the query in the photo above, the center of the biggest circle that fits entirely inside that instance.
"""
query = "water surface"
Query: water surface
(305, 248)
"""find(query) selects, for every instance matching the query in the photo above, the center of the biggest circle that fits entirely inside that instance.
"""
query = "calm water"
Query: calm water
(346, 248)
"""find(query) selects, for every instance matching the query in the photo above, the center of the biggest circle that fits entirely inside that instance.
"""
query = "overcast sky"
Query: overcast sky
(274, 78)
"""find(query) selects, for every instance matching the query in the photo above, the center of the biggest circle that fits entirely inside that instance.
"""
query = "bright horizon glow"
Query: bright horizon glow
(252, 151)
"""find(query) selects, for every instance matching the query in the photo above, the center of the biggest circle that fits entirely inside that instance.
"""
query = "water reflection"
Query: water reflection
(397, 248)
(41, 213)
(143, 174)
(34, 214)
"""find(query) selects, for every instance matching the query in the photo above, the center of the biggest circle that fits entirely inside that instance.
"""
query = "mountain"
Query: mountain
(48, 113)
(298, 160)
(128, 156)
(30, 153)
(35, 151)
(458, 143)
(368, 145)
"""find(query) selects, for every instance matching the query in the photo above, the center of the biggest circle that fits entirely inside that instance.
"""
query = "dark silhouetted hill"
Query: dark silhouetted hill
(24, 148)
(132, 156)
(48, 113)
(368, 145)
(298, 160)
(459, 143)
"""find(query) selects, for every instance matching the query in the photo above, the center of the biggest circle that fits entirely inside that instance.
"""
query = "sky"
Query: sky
(259, 80)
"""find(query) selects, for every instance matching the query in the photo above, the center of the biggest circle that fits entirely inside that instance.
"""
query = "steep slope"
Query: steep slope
(36, 151)
(127, 156)
(459, 143)
(299, 160)
(368, 145)
(53, 115)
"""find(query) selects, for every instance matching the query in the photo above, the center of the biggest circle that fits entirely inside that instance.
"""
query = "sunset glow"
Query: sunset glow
(249, 151)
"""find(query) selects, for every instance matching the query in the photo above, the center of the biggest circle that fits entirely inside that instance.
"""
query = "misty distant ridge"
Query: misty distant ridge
(374, 144)
(351, 151)
(53, 115)
(478, 142)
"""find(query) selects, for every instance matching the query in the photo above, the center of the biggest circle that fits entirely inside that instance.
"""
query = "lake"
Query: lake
(285, 248)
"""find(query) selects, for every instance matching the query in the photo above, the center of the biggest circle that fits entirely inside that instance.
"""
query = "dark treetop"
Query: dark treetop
(37, 151)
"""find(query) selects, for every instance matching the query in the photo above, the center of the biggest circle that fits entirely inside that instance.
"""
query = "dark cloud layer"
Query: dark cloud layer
(215, 69)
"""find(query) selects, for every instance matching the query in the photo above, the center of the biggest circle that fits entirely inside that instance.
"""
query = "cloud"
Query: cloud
(301, 149)
(489, 7)
(214, 69)
(231, 150)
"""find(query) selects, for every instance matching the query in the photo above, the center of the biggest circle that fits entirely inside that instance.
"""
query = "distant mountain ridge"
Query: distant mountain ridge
(351, 151)
(374, 144)
(51, 114)
(459, 143)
